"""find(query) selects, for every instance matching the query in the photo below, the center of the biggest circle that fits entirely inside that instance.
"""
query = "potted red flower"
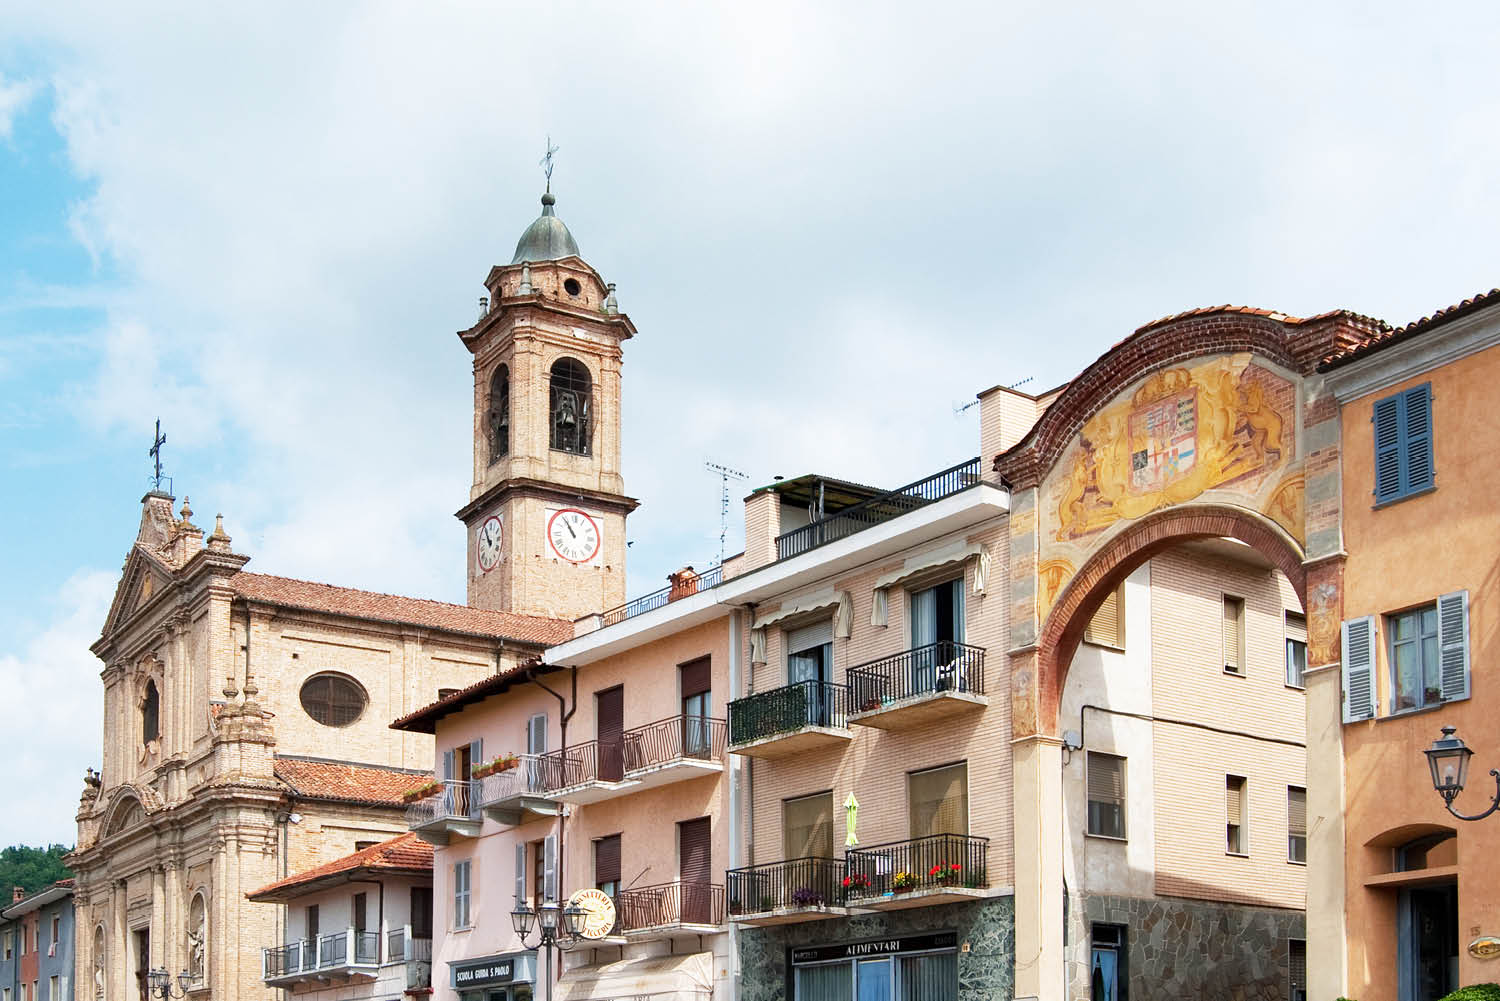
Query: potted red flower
(946, 873)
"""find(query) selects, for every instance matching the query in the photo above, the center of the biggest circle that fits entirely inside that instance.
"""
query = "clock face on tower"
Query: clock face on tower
(573, 535)
(487, 544)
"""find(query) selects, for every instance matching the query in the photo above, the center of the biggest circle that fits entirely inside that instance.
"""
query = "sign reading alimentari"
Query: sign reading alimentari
(876, 947)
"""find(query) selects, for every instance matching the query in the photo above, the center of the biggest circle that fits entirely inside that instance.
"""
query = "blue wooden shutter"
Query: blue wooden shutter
(1453, 644)
(549, 867)
(447, 766)
(1417, 438)
(520, 871)
(1359, 669)
(1387, 421)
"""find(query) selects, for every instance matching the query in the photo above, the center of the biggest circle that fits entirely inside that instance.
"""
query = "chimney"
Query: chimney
(17, 894)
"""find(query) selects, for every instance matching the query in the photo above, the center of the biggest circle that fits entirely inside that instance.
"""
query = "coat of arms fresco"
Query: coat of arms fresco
(1224, 423)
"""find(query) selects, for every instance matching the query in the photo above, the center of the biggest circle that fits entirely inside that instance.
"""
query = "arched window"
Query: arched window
(333, 699)
(499, 415)
(150, 713)
(572, 407)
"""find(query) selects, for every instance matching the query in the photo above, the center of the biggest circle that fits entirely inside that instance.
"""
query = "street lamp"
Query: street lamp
(161, 983)
(557, 927)
(1448, 757)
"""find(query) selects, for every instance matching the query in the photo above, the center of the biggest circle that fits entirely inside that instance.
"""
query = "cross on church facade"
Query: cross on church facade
(155, 452)
(546, 163)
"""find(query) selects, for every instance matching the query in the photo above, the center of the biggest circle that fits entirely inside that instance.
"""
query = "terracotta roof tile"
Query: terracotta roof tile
(316, 597)
(344, 782)
(404, 855)
(425, 720)
(1389, 335)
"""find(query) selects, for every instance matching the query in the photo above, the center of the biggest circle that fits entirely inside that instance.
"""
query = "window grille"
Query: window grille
(333, 699)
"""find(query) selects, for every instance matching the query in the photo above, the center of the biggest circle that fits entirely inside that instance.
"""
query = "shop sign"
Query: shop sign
(1487, 947)
(492, 970)
(876, 947)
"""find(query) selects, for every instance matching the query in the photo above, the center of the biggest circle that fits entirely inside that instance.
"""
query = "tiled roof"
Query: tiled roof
(316, 597)
(404, 855)
(1390, 336)
(46, 895)
(1269, 314)
(425, 720)
(344, 782)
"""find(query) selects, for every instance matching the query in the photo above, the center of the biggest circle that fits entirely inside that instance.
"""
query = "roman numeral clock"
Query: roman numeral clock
(573, 535)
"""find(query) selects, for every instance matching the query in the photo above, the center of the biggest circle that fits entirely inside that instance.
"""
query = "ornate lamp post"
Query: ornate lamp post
(160, 982)
(557, 927)
(1448, 757)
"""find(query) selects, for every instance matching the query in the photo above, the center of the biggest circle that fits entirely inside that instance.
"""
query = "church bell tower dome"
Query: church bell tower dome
(547, 239)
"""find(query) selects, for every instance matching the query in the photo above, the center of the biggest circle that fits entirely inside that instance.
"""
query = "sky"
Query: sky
(832, 224)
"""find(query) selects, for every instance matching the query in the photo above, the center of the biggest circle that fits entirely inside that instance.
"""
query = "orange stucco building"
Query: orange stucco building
(1420, 528)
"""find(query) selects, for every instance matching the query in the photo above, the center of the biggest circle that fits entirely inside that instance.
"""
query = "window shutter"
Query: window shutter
(536, 734)
(607, 860)
(447, 765)
(1387, 421)
(520, 871)
(938, 801)
(1234, 795)
(476, 754)
(1359, 669)
(1106, 781)
(1417, 443)
(1296, 812)
(697, 677)
(807, 826)
(549, 867)
(1453, 644)
(695, 851)
(1104, 627)
(1296, 627)
(1234, 618)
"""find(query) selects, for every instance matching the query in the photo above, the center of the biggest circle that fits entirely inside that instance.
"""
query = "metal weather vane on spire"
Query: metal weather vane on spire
(155, 452)
(546, 163)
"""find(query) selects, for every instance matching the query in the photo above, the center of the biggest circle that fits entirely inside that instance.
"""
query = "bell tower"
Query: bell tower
(546, 512)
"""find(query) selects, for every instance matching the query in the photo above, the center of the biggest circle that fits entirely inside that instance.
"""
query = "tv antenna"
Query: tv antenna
(725, 475)
(960, 408)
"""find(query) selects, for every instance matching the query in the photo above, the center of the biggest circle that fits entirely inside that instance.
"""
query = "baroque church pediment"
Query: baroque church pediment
(143, 578)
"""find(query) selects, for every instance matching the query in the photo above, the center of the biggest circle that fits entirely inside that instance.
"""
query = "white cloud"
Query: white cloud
(15, 95)
(52, 713)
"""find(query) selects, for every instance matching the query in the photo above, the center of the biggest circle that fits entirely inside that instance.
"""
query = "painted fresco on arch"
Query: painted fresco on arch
(1225, 425)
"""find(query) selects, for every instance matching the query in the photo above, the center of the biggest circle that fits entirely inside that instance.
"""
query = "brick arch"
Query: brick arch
(1119, 557)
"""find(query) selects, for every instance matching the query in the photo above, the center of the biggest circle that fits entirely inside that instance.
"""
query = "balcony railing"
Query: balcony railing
(787, 710)
(457, 801)
(944, 666)
(778, 886)
(882, 508)
(526, 779)
(594, 761)
(697, 738)
(670, 904)
(400, 946)
(712, 577)
(930, 863)
(337, 951)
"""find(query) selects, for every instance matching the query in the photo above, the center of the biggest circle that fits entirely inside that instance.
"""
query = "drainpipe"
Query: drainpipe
(734, 801)
(564, 714)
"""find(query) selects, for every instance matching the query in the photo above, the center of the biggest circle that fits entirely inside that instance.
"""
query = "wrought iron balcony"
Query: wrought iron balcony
(506, 796)
(344, 953)
(801, 889)
(681, 588)
(416, 953)
(940, 868)
(876, 510)
(917, 686)
(669, 750)
(660, 911)
(452, 810)
(802, 716)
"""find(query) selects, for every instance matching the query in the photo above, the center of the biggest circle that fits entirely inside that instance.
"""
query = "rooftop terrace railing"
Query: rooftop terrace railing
(712, 577)
(879, 509)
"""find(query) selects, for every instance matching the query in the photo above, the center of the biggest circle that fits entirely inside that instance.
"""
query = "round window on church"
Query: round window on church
(572, 287)
(333, 699)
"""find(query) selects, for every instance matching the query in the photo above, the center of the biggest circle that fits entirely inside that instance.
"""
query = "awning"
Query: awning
(661, 978)
(922, 562)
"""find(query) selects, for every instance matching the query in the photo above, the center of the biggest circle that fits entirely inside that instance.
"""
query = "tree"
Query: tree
(32, 869)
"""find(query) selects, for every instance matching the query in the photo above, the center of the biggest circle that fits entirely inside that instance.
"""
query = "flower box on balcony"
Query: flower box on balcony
(421, 792)
(504, 763)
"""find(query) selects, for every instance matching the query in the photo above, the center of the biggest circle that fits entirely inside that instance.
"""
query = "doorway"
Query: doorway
(1427, 950)
(142, 938)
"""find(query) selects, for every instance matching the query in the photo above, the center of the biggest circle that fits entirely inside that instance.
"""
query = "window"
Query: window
(1296, 648)
(1106, 791)
(536, 865)
(807, 826)
(56, 935)
(499, 415)
(53, 993)
(1109, 975)
(1297, 962)
(607, 864)
(9, 941)
(1403, 444)
(312, 922)
(1107, 627)
(929, 976)
(1296, 824)
(421, 912)
(695, 684)
(360, 846)
(536, 734)
(360, 907)
(150, 713)
(1427, 652)
(1234, 635)
(22, 937)
(938, 799)
(937, 624)
(333, 699)
(1415, 681)
(1237, 841)
(462, 873)
(571, 407)
(809, 662)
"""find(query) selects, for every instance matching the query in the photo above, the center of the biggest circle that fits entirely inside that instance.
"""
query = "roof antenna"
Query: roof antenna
(546, 163)
(725, 475)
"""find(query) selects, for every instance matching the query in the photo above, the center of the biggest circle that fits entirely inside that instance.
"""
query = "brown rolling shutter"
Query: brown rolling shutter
(939, 801)
(807, 826)
(1106, 627)
(611, 728)
(1106, 779)
(697, 677)
(1296, 812)
(695, 867)
(1234, 796)
(607, 860)
(1234, 634)
(1296, 627)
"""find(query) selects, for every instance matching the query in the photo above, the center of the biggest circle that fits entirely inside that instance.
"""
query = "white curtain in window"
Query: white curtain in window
(923, 617)
(929, 978)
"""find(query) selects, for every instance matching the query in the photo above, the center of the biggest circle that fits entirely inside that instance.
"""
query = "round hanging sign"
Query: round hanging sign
(599, 912)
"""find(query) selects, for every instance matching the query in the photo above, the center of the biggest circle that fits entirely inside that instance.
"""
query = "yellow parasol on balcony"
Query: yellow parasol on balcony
(851, 812)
